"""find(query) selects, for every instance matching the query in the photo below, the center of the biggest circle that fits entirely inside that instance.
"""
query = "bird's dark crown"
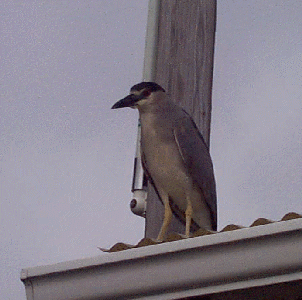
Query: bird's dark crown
(152, 86)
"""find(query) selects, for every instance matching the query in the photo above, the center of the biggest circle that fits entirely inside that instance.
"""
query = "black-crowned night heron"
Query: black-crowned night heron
(175, 158)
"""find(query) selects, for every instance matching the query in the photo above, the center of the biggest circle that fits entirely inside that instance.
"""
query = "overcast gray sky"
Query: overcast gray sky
(66, 158)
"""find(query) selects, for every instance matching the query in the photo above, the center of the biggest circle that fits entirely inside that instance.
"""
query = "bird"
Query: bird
(175, 158)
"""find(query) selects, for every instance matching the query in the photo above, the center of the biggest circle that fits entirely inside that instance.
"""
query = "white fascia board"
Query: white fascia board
(243, 258)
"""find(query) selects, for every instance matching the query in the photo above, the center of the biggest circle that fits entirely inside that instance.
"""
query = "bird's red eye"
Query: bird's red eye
(146, 93)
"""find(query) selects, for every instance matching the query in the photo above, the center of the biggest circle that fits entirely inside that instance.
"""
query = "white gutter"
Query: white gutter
(244, 258)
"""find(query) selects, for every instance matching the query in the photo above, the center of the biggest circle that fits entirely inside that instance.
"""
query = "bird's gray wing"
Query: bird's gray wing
(196, 157)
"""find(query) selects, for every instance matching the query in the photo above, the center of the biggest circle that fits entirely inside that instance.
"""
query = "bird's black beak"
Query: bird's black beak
(128, 101)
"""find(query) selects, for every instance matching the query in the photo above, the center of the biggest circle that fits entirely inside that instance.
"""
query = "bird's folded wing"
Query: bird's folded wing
(196, 157)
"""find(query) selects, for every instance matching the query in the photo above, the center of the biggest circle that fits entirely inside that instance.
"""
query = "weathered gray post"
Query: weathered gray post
(179, 57)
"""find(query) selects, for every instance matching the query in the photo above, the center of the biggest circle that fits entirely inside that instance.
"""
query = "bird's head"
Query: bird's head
(140, 94)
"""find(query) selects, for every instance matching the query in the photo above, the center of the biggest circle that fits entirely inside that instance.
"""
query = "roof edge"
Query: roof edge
(223, 261)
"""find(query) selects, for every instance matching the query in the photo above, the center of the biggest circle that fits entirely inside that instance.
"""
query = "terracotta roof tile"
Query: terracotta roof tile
(231, 227)
(290, 216)
(261, 221)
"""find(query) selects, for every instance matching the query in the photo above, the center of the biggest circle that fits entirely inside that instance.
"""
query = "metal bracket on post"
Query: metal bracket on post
(138, 203)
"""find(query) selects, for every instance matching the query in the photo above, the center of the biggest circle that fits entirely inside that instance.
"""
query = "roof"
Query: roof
(201, 232)
(224, 262)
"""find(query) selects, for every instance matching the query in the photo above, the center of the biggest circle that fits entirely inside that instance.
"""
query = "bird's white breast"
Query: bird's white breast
(162, 156)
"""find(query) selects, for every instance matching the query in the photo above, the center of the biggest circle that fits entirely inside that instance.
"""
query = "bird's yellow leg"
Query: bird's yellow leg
(189, 212)
(166, 222)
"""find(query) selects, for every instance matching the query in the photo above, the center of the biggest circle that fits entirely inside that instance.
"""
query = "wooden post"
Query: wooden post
(182, 44)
